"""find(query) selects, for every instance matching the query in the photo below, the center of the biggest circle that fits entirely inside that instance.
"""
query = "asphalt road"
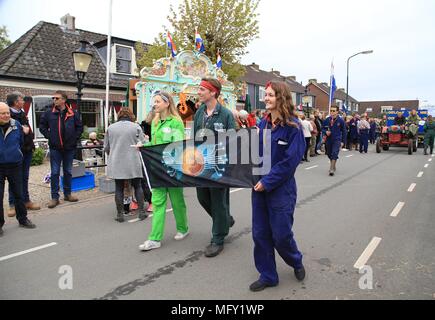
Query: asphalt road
(337, 220)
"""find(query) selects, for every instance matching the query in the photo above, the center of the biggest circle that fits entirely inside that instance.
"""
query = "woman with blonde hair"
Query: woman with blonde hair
(166, 127)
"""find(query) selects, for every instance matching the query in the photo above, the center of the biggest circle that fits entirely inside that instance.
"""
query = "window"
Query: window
(123, 59)
(261, 93)
(41, 104)
(90, 111)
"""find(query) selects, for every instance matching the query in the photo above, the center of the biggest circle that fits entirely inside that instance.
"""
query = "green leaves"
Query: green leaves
(227, 25)
(4, 38)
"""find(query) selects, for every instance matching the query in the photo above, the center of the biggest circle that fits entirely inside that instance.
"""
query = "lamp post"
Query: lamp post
(308, 101)
(82, 60)
(347, 75)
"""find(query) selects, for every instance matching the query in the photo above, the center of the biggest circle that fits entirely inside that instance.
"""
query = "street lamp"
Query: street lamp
(308, 101)
(347, 77)
(82, 60)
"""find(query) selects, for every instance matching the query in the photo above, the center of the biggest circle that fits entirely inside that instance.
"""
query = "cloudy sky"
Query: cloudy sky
(297, 37)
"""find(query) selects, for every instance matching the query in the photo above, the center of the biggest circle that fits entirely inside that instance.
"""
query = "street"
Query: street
(377, 211)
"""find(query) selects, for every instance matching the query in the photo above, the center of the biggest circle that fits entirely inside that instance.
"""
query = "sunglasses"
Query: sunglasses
(56, 98)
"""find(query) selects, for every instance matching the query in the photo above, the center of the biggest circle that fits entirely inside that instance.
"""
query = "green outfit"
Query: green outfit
(216, 201)
(169, 130)
(413, 123)
(429, 135)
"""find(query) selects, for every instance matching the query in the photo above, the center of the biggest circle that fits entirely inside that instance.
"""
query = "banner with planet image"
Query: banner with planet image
(198, 164)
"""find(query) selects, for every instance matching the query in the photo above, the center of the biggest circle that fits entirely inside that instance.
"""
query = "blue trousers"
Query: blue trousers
(272, 222)
(364, 141)
(332, 148)
(57, 158)
(27, 160)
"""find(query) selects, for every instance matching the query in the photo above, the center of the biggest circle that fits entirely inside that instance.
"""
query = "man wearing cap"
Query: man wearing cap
(212, 118)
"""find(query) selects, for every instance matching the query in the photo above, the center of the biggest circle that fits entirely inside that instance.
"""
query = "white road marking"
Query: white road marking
(433, 155)
(351, 155)
(237, 190)
(365, 256)
(311, 168)
(411, 187)
(397, 209)
(27, 251)
(430, 160)
(426, 165)
(420, 174)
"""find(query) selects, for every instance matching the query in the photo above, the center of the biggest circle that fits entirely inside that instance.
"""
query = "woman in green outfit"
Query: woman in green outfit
(166, 127)
(429, 134)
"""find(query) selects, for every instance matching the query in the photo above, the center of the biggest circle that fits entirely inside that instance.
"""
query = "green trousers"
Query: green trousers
(217, 204)
(429, 140)
(159, 198)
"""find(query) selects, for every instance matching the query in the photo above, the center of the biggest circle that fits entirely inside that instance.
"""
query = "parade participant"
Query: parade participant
(334, 130)
(399, 120)
(123, 162)
(429, 134)
(372, 130)
(274, 196)
(252, 119)
(413, 122)
(16, 104)
(383, 122)
(353, 132)
(213, 117)
(167, 127)
(307, 128)
(62, 126)
(363, 131)
(314, 134)
(11, 158)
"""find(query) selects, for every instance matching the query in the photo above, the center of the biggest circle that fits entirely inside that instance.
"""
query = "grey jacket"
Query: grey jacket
(124, 160)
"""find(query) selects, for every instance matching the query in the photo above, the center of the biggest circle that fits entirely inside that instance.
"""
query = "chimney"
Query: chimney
(312, 81)
(325, 84)
(342, 89)
(291, 78)
(276, 72)
(68, 23)
(255, 66)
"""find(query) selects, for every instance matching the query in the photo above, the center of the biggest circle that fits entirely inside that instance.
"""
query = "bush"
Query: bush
(38, 157)
(85, 134)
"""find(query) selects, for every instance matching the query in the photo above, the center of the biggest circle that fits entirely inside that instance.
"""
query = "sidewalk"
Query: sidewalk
(40, 191)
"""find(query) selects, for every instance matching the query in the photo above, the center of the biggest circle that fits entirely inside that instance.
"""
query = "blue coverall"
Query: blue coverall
(273, 209)
(364, 140)
(353, 129)
(338, 135)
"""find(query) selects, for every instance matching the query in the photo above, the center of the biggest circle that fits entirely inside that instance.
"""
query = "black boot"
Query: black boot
(120, 212)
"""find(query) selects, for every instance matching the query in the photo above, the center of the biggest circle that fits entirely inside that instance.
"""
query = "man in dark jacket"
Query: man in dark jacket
(16, 103)
(11, 158)
(62, 126)
(212, 118)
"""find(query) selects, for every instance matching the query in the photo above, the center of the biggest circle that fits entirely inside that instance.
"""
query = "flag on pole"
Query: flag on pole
(198, 42)
(171, 45)
(333, 86)
(219, 61)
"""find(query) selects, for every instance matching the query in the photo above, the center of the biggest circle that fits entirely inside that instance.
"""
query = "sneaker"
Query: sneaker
(149, 245)
(181, 236)
(150, 208)
(11, 212)
(71, 198)
(32, 206)
(53, 203)
(27, 224)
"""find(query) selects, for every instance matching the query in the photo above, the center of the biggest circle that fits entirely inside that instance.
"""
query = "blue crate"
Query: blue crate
(85, 182)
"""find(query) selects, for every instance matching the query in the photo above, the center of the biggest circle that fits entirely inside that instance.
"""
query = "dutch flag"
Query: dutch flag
(171, 45)
(199, 43)
(219, 61)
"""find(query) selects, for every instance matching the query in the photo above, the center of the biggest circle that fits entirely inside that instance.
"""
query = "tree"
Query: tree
(227, 25)
(4, 38)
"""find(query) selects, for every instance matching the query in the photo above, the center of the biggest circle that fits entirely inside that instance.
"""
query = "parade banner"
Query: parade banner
(214, 163)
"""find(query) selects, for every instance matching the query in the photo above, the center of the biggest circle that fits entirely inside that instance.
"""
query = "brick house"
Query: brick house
(40, 62)
(255, 81)
(322, 90)
(376, 108)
